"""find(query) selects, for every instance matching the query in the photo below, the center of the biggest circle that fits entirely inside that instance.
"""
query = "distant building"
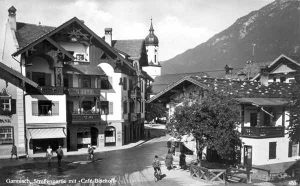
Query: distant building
(264, 114)
(282, 69)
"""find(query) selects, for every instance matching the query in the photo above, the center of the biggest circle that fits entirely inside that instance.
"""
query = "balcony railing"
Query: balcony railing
(84, 91)
(86, 117)
(46, 90)
(263, 132)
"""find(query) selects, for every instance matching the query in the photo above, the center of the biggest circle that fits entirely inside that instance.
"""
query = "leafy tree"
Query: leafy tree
(154, 110)
(294, 113)
(212, 121)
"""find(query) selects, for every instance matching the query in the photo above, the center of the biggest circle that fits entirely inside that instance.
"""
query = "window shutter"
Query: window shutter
(110, 108)
(290, 149)
(124, 83)
(272, 150)
(35, 110)
(110, 82)
(13, 106)
(55, 108)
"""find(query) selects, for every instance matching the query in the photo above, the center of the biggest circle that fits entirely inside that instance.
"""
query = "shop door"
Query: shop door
(247, 156)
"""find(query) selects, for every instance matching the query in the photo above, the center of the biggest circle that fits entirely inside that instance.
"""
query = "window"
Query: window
(6, 135)
(7, 105)
(272, 150)
(253, 119)
(293, 149)
(43, 79)
(130, 84)
(105, 83)
(125, 107)
(124, 83)
(282, 79)
(274, 79)
(79, 57)
(104, 107)
(45, 108)
(86, 82)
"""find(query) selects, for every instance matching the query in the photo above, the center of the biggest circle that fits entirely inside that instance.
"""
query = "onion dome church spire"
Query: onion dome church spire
(151, 39)
(151, 43)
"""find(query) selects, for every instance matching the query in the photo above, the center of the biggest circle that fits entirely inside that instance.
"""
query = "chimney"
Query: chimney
(108, 35)
(12, 18)
(228, 69)
(264, 76)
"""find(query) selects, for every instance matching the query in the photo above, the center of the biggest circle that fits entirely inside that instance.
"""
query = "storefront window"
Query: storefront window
(6, 135)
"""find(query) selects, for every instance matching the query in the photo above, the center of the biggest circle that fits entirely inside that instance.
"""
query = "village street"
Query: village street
(128, 167)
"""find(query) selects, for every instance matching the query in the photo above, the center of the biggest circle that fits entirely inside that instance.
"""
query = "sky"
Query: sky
(179, 24)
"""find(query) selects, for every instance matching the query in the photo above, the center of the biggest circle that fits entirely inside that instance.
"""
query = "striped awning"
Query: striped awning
(47, 133)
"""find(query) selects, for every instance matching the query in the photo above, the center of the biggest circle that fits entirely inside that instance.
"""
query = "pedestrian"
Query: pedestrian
(60, 154)
(182, 162)
(173, 148)
(49, 154)
(169, 161)
(90, 152)
(14, 151)
(156, 167)
(169, 144)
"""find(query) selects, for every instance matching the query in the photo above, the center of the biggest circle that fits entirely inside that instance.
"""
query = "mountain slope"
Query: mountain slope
(274, 29)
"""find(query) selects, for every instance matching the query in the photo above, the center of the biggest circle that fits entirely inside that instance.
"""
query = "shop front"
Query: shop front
(41, 138)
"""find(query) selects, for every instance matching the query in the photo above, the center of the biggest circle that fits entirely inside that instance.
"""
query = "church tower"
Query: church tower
(151, 43)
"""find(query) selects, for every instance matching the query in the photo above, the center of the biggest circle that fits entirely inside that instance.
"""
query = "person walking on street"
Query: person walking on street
(182, 162)
(156, 167)
(49, 154)
(14, 151)
(169, 161)
(60, 154)
(90, 152)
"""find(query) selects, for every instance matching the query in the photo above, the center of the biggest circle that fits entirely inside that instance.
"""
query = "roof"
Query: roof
(18, 75)
(272, 64)
(84, 69)
(161, 82)
(37, 38)
(27, 33)
(147, 76)
(264, 101)
(236, 88)
(133, 47)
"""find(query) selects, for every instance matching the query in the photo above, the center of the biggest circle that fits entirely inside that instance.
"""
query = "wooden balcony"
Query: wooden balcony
(84, 91)
(135, 94)
(95, 117)
(263, 132)
(46, 90)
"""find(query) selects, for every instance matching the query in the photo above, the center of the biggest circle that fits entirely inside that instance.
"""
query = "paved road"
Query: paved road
(126, 167)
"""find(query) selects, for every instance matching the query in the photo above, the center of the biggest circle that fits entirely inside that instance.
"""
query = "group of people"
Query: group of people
(59, 152)
(169, 159)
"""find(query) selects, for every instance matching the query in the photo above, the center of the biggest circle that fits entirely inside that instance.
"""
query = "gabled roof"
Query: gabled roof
(133, 47)
(238, 89)
(28, 33)
(174, 84)
(161, 82)
(84, 69)
(35, 40)
(273, 64)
